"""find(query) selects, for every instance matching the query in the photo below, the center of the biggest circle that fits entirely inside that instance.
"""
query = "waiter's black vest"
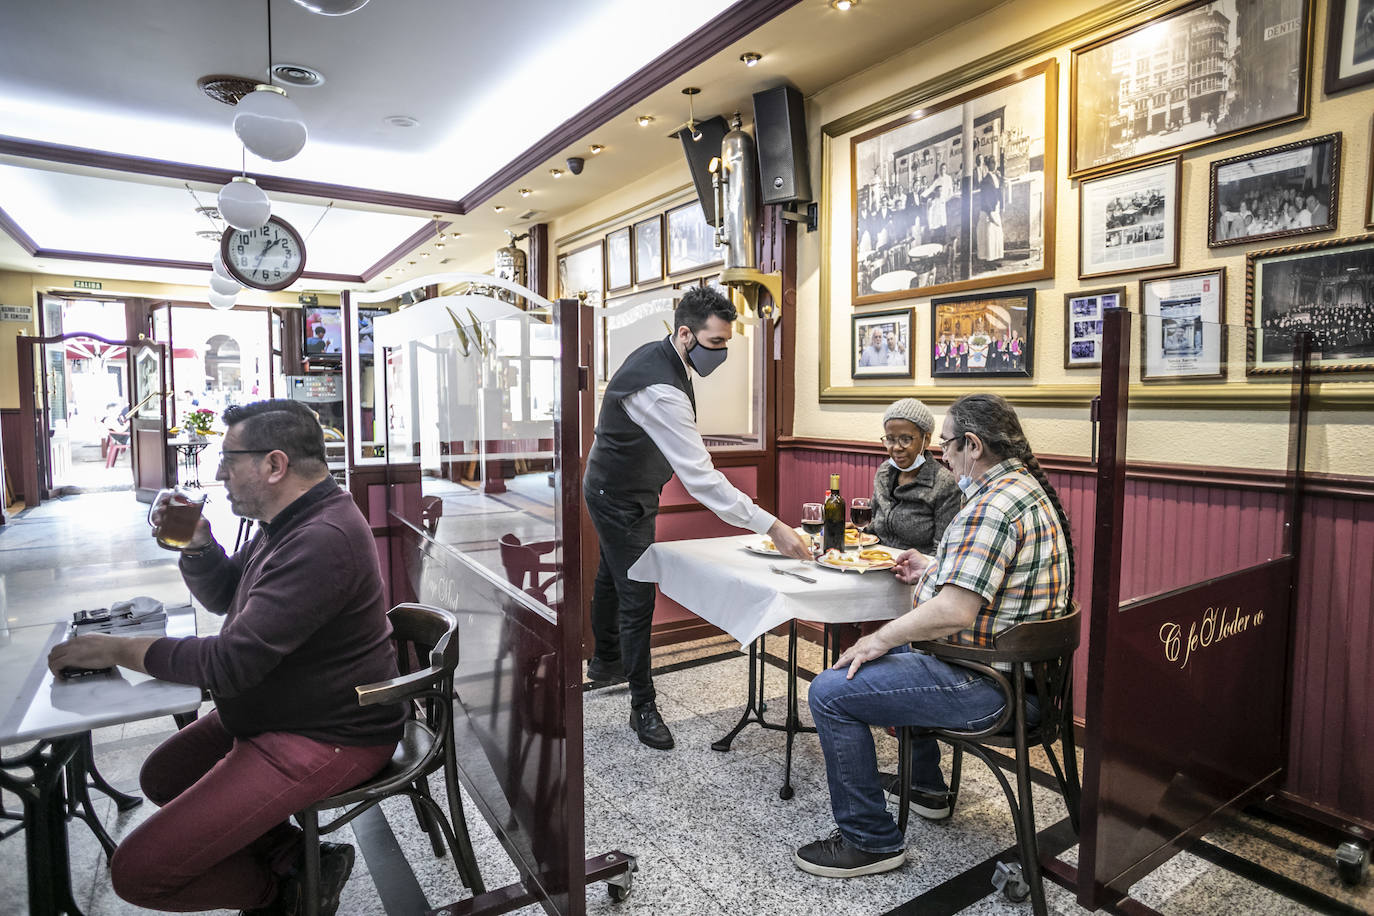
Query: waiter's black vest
(624, 460)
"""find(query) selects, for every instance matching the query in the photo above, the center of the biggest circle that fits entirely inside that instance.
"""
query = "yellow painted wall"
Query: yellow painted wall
(1341, 441)
(24, 288)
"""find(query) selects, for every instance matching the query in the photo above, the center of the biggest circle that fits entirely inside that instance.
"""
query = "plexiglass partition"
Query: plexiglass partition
(1194, 563)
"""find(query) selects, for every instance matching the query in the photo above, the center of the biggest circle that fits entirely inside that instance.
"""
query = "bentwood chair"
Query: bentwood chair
(1039, 655)
(431, 634)
(525, 565)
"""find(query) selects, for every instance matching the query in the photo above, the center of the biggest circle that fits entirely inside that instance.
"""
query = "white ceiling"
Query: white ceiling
(485, 81)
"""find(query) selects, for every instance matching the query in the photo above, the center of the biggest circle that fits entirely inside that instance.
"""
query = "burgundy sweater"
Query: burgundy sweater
(305, 624)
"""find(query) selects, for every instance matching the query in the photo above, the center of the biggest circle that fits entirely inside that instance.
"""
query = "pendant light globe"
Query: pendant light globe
(243, 204)
(270, 124)
(224, 287)
(333, 7)
(220, 301)
(217, 265)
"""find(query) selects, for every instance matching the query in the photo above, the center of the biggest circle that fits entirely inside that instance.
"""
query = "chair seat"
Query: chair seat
(414, 745)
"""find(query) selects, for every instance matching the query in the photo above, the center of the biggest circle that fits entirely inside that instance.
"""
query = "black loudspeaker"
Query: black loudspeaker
(700, 152)
(780, 133)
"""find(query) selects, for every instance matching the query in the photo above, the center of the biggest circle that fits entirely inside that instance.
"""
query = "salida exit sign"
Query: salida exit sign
(86, 284)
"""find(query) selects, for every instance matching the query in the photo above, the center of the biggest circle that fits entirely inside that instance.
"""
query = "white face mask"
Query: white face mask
(965, 483)
(920, 460)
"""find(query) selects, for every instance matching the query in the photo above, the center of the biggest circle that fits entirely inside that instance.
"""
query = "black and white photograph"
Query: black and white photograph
(691, 240)
(1129, 221)
(1207, 71)
(957, 196)
(1292, 189)
(1323, 288)
(988, 336)
(648, 265)
(619, 273)
(1083, 325)
(1349, 44)
(580, 272)
(1182, 331)
(881, 345)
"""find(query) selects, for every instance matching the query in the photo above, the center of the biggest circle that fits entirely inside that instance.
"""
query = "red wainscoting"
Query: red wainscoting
(1182, 527)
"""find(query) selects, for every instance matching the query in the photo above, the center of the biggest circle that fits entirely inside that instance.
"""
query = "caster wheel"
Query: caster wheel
(617, 893)
(1009, 880)
(786, 793)
(1352, 860)
(1016, 893)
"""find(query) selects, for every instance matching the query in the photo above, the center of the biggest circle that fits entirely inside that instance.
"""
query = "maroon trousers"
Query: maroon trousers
(221, 835)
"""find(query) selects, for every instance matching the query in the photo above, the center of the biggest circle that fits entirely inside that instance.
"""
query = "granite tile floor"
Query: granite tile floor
(709, 830)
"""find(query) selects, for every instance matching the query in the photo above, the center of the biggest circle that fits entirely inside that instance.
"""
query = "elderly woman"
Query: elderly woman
(914, 496)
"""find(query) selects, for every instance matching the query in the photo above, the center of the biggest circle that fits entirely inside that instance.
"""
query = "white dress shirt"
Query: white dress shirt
(665, 414)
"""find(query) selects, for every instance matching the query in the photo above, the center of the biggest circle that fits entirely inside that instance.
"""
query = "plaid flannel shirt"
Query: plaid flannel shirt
(1007, 545)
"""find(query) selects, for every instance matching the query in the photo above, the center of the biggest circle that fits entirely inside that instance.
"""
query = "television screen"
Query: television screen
(322, 327)
(365, 317)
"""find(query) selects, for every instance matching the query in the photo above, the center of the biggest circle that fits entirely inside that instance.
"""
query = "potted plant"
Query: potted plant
(197, 423)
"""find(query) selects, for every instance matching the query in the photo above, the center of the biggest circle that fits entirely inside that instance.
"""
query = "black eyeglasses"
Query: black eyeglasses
(224, 453)
(902, 441)
(944, 443)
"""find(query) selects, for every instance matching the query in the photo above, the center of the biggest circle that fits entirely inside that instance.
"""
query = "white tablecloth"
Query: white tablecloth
(729, 587)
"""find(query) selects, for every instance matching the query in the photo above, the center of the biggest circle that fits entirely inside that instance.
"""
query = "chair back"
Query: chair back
(431, 510)
(431, 634)
(524, 563)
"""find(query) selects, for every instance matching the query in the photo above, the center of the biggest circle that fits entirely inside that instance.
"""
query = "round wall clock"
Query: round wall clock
(271, 257)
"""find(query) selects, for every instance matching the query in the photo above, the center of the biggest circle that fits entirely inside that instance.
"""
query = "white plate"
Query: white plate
(758, 548)
(891, 552)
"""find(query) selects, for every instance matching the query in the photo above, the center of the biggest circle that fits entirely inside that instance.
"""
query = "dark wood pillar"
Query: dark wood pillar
(539, 259)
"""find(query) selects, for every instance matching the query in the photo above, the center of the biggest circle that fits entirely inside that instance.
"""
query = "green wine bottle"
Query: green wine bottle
(832, 514)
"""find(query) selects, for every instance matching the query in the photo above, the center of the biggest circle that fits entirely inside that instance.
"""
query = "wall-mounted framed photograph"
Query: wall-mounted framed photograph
(1205, 71)
(1182, 327)
(1129, 221)
(958, 195)
(619, 271)
(1349, 44)
(880, 346)
(1292, 189)
(1083, 325)
(648, 250)
(990, 335)
(691, 240)
(1325, 288)
(582, 271)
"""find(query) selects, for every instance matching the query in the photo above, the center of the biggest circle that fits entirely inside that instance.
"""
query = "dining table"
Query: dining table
(731, 584)
(50, 719)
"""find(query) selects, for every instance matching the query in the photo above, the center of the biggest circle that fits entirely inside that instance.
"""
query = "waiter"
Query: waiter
(646, 433)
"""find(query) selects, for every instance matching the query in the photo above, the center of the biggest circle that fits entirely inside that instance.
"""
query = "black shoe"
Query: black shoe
(602, 672)
(649, 724)
(933, 806)
(833, 857)
(336, 864)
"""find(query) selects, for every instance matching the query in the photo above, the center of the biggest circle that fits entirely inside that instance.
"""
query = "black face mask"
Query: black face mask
(704, 359)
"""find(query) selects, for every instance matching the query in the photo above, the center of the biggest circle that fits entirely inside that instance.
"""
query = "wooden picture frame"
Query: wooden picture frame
(1287, 190)
(957, 195)
(1164, 86)
(1183, 326)
(648, 250)
(985, 335)
(1349, 45)
(1128, 221)
(1316, 286)
(619, 270)
(1083, 313)
(691, 241)
(582, 270)
(881, 345)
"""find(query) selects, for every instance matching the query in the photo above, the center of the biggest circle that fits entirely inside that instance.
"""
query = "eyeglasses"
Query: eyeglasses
(944, 443)
(899, 441)
(241, 451)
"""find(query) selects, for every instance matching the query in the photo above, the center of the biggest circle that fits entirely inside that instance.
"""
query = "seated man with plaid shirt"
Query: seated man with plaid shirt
(1007, 557)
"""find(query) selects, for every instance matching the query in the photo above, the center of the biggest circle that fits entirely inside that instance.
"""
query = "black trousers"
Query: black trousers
(623, 609)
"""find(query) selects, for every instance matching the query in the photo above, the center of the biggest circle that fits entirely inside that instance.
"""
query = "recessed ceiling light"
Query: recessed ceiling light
(644, 120)
(401, 121)
(525, 192)
(844, 5)
(556, 173)
(424, 254)
(596, 148)
(411, 263)
(455, 235)
(438, 244)
(750, 58)
(387, 277)
(499, 208)
(297, 75)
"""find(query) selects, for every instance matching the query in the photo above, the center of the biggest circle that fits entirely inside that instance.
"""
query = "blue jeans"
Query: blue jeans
(901, 688)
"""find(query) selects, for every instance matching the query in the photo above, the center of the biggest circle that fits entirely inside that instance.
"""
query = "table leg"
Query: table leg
(123, 801)
(793, 720)
(753, 709)
(45, 823)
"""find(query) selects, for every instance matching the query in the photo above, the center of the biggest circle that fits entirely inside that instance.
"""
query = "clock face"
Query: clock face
(271, 257)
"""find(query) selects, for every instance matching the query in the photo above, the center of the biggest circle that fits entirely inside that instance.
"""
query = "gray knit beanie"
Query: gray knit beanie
(913, 410)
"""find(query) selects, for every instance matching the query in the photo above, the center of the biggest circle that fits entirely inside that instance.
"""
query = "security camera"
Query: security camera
(575, 164)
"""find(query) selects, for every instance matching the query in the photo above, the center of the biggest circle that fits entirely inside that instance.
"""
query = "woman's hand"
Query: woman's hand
(910, 564)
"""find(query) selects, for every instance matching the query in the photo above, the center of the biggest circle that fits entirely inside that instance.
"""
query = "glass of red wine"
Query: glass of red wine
(811, 521)
(861, 513)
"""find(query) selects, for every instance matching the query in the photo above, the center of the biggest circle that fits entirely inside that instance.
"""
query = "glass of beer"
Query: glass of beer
(181, 510)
